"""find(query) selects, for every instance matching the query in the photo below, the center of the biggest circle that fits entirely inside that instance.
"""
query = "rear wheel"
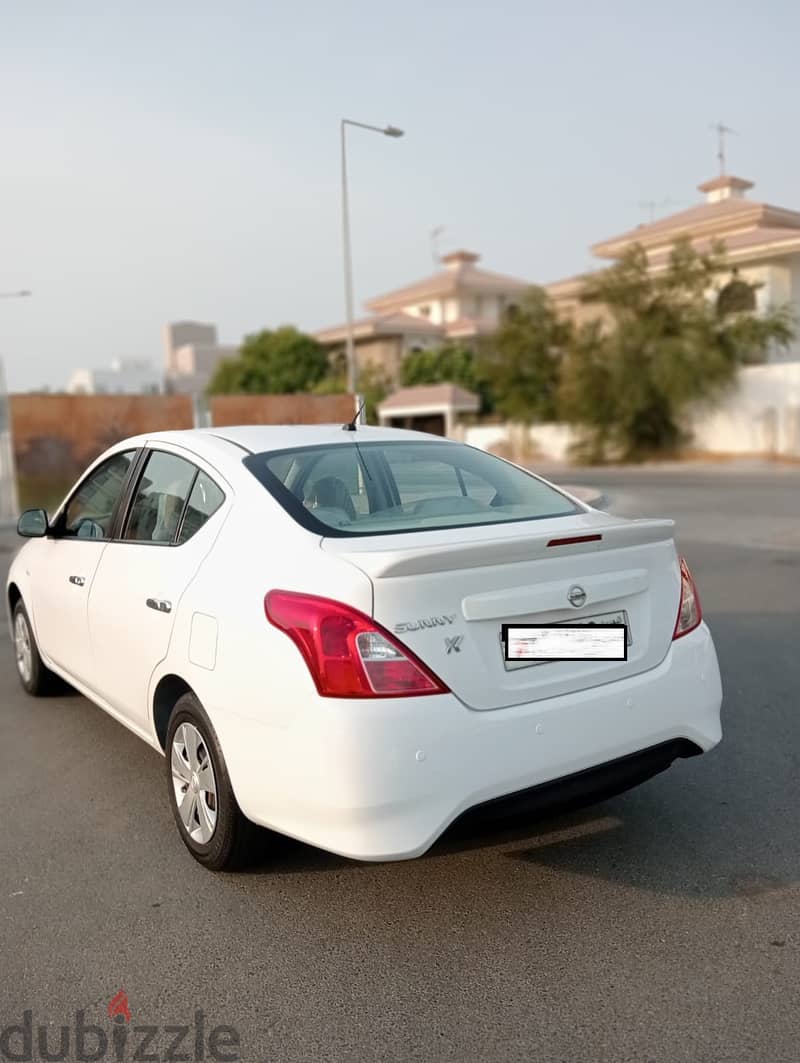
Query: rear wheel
(209, 820)
(35, 676)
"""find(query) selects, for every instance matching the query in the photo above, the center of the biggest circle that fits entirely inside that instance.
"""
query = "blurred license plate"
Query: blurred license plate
(619, 617)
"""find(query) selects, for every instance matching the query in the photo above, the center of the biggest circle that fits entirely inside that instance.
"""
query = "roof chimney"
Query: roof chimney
(724, 187)
(457, 259)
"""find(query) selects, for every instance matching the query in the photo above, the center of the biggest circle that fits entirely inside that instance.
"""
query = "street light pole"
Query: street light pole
(9, 504)
(352, 368)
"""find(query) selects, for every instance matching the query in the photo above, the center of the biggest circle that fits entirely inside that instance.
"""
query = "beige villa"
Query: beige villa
(762, 245)
(458, 303)
(463, 301)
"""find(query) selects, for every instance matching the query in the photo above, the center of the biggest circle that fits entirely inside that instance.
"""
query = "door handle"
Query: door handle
(159, 605)
(78, 581)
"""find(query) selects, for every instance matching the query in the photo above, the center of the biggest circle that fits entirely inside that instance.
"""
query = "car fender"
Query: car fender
(19, 576)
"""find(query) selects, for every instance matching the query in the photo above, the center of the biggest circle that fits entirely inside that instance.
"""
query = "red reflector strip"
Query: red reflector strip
(575, 539)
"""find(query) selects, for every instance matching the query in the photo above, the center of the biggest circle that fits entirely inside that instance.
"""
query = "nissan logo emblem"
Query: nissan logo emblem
(576, 596)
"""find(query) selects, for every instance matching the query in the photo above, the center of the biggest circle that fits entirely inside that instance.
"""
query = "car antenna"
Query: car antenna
(352, 425)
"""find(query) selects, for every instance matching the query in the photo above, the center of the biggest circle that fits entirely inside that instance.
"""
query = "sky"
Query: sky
(169, 160)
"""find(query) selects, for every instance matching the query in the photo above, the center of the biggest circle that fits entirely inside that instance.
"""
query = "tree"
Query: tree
(520, 364)
(373, 386)
(627, 383)
(452, 363)
(275, 362)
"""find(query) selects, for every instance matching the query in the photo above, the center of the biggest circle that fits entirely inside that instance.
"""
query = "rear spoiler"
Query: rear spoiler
(384, 562)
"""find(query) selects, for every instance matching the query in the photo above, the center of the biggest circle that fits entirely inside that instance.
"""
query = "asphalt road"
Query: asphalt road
(663, 925)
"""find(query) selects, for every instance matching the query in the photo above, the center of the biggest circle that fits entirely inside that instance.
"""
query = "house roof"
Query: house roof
(571, 287)
(396, 324)
(468, 326)
(722, 218)
(460, 275)
(431, 395)
(741, 244)
(400, 324)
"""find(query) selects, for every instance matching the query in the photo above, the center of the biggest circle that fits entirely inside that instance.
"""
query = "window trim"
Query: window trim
(256, 464)
(182, 521)
(58, 527)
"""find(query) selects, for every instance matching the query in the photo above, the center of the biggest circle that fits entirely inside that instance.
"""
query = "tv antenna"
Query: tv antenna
(652, 205)
(434, 238)
(722, 131)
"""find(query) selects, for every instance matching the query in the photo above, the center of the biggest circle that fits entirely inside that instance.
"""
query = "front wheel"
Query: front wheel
(209, 820)
(35, 676)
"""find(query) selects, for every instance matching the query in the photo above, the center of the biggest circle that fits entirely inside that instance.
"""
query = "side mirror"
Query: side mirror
(33, 524)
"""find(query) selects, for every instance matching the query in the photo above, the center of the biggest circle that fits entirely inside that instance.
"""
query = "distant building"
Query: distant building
(456, 304)
(762, 245)
(125, 376)
(192, 354)
(179, 334)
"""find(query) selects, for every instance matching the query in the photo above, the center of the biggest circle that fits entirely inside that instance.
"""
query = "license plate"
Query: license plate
(619, 617)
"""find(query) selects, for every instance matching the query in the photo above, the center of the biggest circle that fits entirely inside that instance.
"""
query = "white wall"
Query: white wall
(483, 436)
(435, 314)
(760, 417)
(552, 440)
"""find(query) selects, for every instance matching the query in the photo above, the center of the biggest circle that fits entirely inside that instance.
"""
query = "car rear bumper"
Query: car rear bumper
(381, 780)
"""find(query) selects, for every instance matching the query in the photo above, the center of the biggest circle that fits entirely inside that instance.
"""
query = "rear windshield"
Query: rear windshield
(385, 488)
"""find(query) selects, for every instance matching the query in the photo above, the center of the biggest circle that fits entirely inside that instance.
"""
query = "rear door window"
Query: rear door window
(161, 496)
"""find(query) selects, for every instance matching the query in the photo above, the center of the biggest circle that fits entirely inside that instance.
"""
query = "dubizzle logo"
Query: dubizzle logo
(118, 1005)
(25, 1042)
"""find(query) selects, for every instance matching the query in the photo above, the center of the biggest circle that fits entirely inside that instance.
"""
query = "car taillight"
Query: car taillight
(348, 654)
(689, 612)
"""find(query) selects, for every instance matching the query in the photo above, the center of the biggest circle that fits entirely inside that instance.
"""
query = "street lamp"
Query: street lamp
(352, 369)
(9, 505)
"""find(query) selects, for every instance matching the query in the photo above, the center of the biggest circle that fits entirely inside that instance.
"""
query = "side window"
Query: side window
(88, 513)
(160, 498)
(204, 501)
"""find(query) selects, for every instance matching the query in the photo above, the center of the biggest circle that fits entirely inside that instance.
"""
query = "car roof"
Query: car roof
(257, 438)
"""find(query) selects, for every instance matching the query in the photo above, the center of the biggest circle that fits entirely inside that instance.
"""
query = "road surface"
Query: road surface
(662, 926)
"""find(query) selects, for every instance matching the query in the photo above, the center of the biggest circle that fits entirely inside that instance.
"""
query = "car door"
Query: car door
(65, 565)
(143, 574)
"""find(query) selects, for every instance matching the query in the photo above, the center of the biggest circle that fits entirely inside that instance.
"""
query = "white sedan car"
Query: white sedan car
(309, 622)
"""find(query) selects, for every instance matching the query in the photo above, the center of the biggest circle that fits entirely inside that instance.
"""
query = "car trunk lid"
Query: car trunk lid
(447, 594)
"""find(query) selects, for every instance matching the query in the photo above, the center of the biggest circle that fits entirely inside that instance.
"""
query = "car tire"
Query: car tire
(209, 820)
(36, 678)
